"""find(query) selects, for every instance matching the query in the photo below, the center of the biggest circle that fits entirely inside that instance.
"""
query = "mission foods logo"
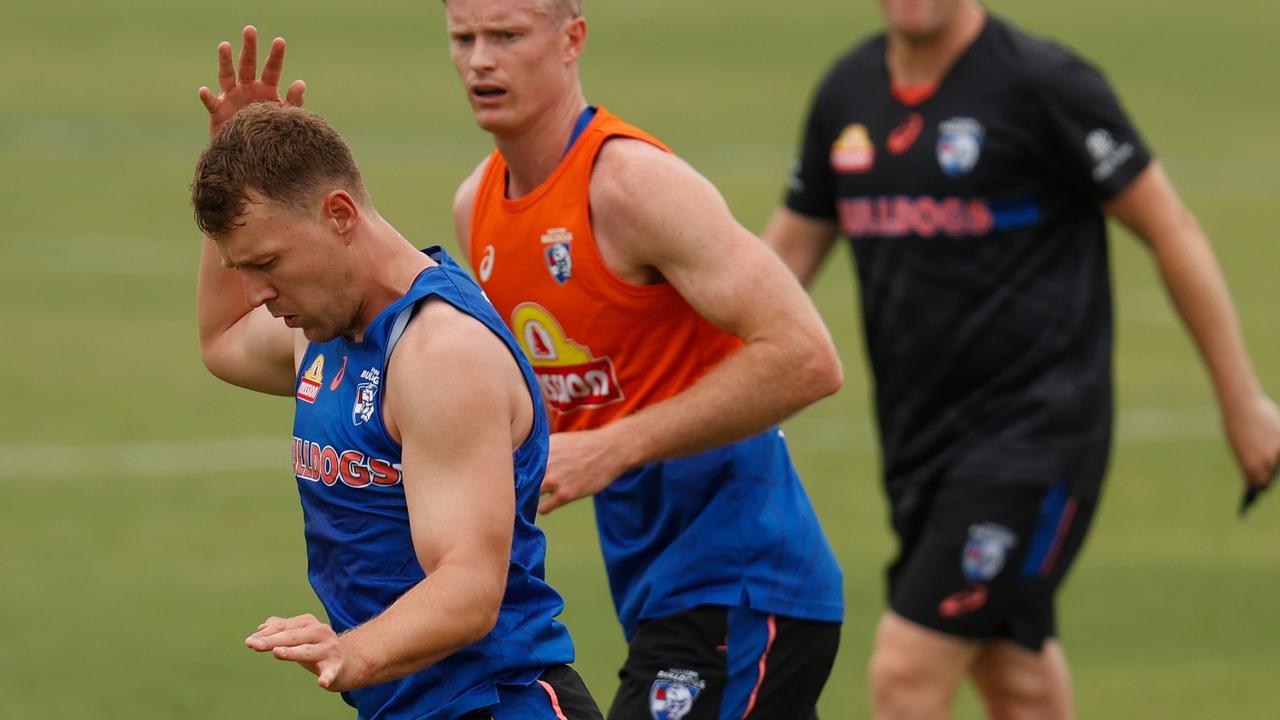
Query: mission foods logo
(311, 382)
(853, 151)
(570, 377)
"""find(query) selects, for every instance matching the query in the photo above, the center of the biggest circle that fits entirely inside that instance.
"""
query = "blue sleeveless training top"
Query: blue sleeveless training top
(359, 548)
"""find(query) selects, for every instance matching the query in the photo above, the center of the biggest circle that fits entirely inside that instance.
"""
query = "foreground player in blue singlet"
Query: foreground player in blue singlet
(420, 438)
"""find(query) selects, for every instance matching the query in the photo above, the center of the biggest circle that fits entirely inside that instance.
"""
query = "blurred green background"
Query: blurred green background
(148, 520)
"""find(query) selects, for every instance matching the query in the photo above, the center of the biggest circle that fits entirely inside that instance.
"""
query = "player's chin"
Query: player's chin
(493, 120)
(318, 334)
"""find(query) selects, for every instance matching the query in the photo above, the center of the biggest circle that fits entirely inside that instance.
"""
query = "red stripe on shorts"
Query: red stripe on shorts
(773, 633)
(1063, 523)
(555, 701)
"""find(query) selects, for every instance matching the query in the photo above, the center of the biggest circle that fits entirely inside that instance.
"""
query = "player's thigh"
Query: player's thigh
(910, 657)
(1017, 683)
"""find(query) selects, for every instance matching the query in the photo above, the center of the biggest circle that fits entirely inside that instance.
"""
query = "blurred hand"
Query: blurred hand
(310, 643)
(1253, 428)
(239, 91)
(579, 464)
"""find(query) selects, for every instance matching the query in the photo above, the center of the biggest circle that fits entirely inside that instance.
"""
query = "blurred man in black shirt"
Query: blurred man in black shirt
(971, 165)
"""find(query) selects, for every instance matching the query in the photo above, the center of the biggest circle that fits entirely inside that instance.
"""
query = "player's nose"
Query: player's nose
(482, 57)
(257, 292)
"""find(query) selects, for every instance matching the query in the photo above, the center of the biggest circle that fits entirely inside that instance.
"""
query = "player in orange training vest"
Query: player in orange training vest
(669, 341)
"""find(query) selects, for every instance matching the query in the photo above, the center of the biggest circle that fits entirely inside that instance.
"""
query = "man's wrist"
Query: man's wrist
(359, 668)
(628, 444)
(1239, 394)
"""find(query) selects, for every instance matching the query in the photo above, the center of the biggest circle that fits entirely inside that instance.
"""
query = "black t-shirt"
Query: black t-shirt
(981, 250)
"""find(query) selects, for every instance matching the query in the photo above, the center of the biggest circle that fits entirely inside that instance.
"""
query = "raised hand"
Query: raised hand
(241, 88)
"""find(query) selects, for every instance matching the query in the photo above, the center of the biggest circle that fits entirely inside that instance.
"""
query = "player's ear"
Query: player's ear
(575, 38)
(340, 211)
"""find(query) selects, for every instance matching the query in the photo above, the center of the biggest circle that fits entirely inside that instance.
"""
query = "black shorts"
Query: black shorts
(558, 694)
(983, 562)
(715, 662)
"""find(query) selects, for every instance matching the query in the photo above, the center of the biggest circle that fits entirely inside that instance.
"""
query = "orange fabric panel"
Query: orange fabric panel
(602, 347)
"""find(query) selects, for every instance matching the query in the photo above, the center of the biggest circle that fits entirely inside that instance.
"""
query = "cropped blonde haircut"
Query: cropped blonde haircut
(559, 10)
(564, 9)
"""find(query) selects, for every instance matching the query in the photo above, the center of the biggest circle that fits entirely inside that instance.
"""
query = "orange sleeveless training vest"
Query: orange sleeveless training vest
(602, 347)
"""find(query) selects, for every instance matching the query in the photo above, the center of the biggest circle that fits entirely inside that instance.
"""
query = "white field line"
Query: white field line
(1136, 426)
(145, 459)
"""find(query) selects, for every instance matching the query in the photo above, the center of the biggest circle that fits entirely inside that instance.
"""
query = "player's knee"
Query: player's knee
(1018, 691)
(899, 687)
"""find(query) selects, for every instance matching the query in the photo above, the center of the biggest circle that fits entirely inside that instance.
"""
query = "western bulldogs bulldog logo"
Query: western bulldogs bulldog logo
(366, 402)
(959, 145)
(985, 552)
(671, 696)
(560, 262)
(558, 256)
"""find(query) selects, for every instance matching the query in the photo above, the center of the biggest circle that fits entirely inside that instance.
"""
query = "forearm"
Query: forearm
(753, 389)
(1196, 286)
(453, 608)
(220, 301)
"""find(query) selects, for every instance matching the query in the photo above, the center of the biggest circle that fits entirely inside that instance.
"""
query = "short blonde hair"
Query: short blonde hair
(564, 9)
(558, 9)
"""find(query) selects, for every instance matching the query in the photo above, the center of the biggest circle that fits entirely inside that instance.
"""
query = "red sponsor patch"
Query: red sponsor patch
(569, 387)
(308, 389)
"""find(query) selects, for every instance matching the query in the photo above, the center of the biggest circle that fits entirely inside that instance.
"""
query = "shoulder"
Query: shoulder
(1044, 64)
(630, 175)
(444, 337)
(466, 193)
(464, 202)
(446, 358)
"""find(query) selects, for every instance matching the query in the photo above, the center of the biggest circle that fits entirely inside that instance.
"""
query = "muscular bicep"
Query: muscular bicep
(449, 400)
(655, 210)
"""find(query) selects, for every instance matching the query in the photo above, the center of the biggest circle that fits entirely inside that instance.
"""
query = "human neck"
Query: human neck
(920, 62)
(533, 153)
(391, 262)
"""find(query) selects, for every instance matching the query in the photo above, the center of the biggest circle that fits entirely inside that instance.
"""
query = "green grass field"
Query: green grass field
(148, 520)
